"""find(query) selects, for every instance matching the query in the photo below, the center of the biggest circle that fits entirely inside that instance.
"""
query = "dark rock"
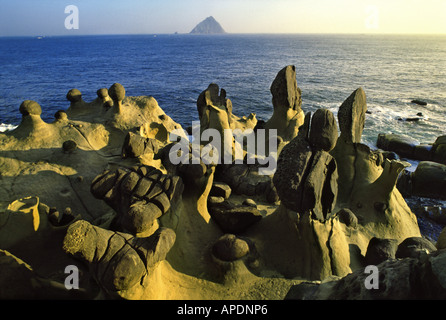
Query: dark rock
(419, 102)
(117, 92)
(380, 250)
(429, 180)
(306, 180)
(69, 146)
(230, 248)
(439, 150)
(347, 217)
(402, 279)
(286, 93)
(413, 247)
(220, 189)
(236, 219)
(136, 145)
(61, 115)
(324, 130)
(249, 202)
(351, 116)
(208, 26)
(403, 146)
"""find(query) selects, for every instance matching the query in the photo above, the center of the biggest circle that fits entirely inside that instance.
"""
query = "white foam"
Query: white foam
(7, 127)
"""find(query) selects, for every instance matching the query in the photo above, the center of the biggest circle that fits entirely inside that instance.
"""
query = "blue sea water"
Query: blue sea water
(393, 70)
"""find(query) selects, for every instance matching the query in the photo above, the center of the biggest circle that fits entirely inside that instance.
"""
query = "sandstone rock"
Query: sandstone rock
(118, 261)
(287, 101)
(324, 130)
(230, 248)
(249, 202)
(380, 250)
(235, 219)
(61, 115)
(220, 190)
(439, 150)
(404, 279)
(441, 241)
(347, 217)
(29, 107)
(117, 92)
(139, 195)
(351, 116)
(413, 247)
(306, 180)
(429, 180)
(403, 146)
(74, 95)
(135, 146)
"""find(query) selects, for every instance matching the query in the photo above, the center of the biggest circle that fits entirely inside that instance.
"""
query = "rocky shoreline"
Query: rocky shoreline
(97, 189)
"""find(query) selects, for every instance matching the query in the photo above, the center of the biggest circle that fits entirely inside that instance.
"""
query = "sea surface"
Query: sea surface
(175, 69)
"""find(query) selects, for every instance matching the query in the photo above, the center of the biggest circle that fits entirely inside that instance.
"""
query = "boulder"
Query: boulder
(324, 130)
(230, 248)
(439, 150)
(380, 250)
(413, 247)
(402, 145)
(220, 189)
(118, 261)
(306, 179)
(419, 102)
(401, 279)
(429, 180)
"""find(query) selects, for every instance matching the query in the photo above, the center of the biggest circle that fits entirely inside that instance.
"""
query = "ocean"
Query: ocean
(175, 69)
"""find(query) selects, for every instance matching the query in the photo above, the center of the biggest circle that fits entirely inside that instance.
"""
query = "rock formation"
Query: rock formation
(208, 26)
(100, 189)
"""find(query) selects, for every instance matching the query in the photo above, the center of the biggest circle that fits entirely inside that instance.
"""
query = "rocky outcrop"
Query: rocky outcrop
(428, 180)
(420, 278)
(287, 102)
(306, 174)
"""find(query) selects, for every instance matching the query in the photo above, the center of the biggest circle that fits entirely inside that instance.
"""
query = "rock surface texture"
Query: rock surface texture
(100, 189)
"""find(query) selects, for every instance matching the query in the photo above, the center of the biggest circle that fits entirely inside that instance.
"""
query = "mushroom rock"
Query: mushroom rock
(287, 101)
(32, 126)
(117, 94)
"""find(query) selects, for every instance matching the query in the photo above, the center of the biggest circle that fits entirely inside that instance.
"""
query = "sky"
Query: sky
(48, 17)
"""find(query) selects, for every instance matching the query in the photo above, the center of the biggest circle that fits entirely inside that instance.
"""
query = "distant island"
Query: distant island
(208, 26)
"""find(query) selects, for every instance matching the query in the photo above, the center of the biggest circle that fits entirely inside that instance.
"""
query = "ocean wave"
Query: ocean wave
(7, 127)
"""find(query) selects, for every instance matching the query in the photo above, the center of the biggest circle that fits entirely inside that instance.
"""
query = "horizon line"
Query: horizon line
(226, 33)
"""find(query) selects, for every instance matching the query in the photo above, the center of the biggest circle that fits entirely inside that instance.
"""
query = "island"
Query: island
(208, 26)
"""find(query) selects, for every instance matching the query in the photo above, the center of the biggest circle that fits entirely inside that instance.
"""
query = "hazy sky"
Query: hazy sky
(47, 17)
